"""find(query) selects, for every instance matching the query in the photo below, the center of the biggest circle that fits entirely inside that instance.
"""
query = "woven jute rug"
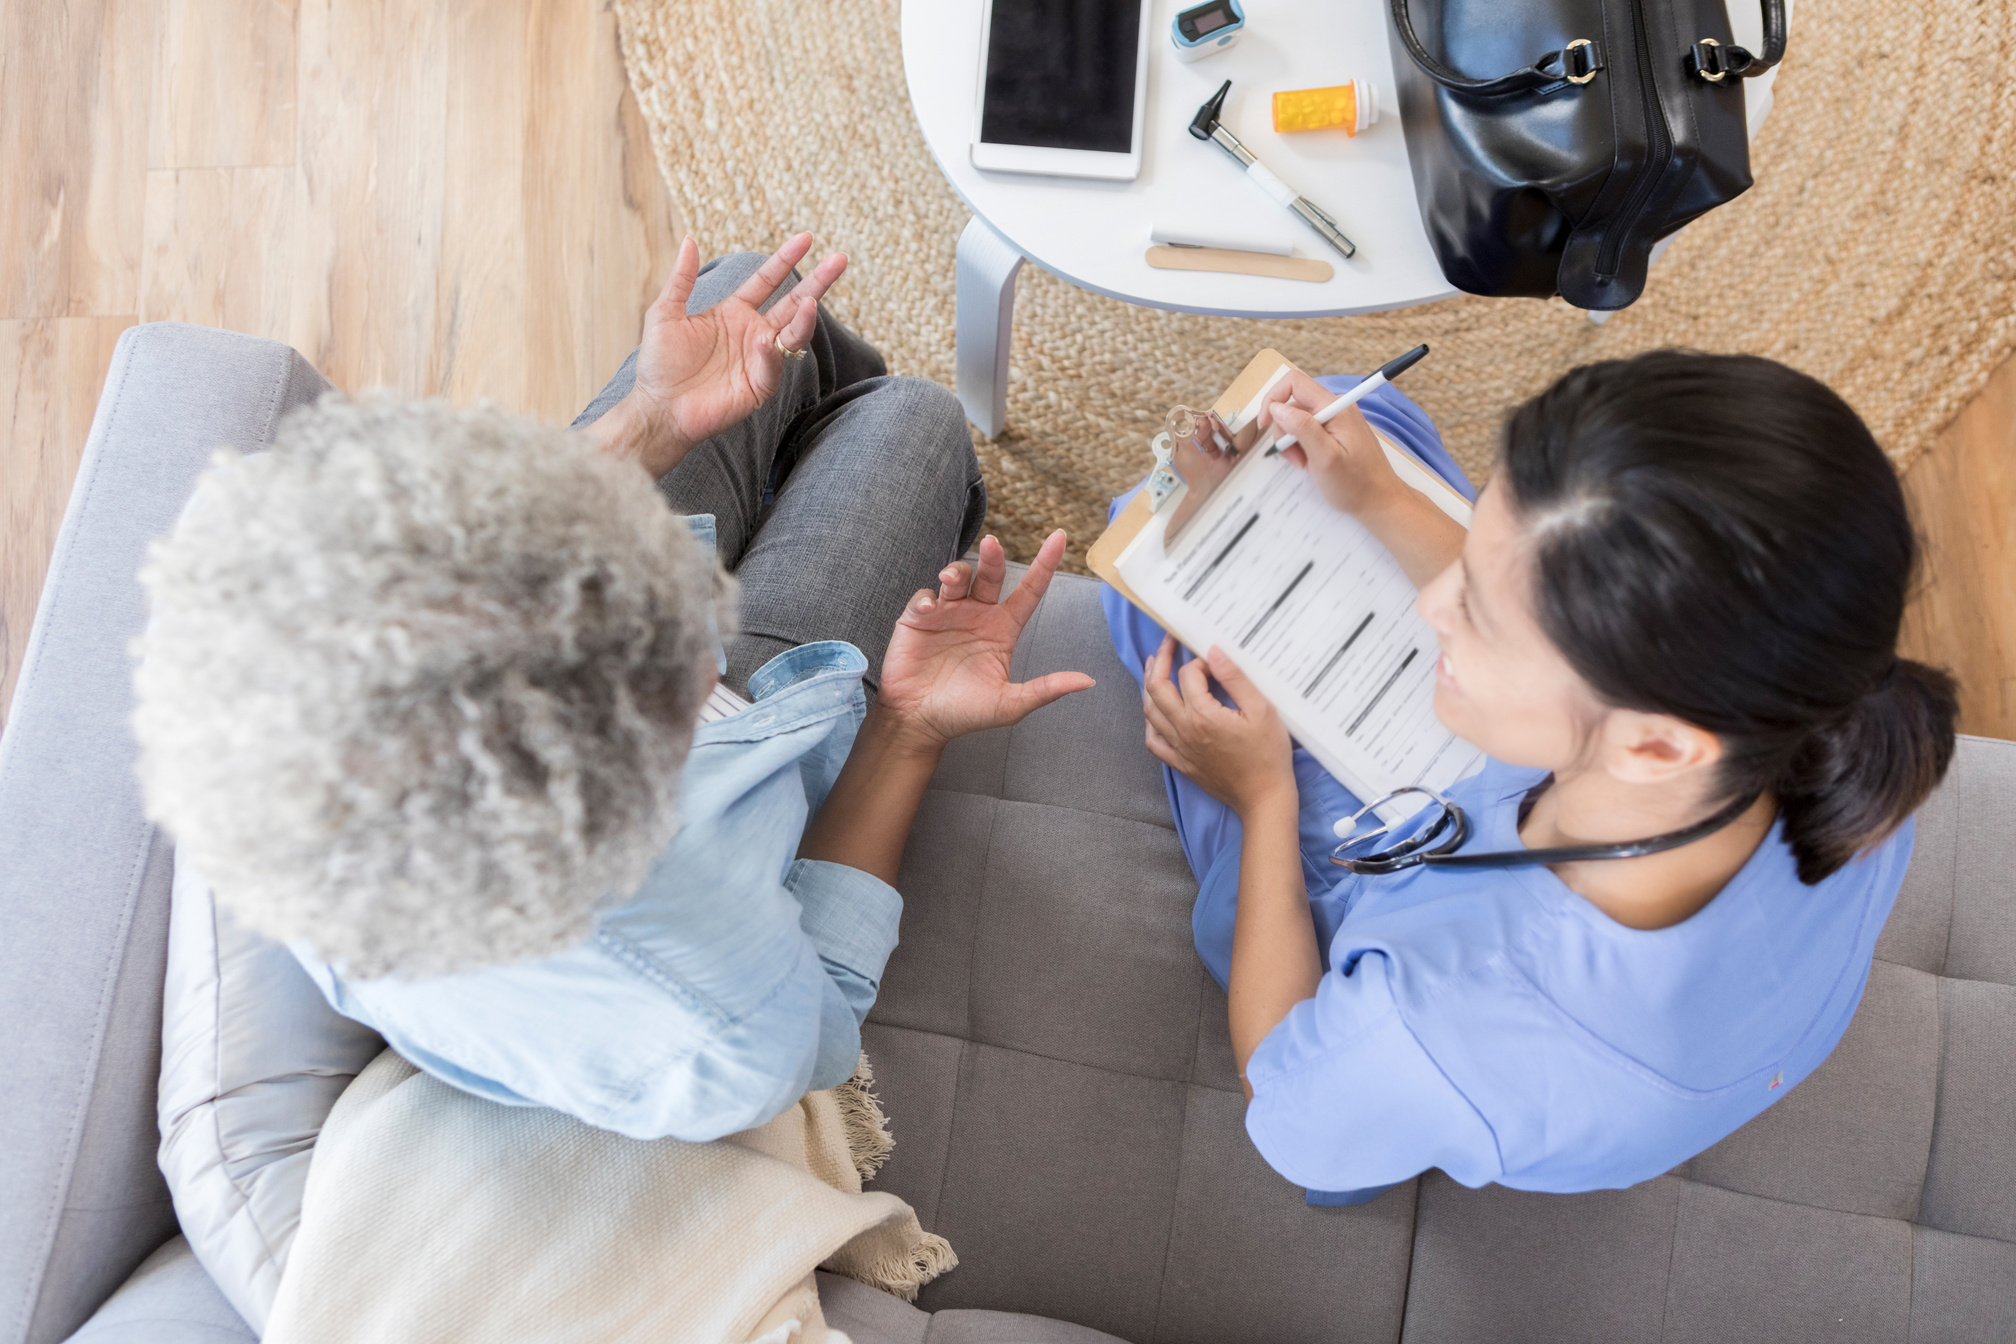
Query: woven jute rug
(1875, 250)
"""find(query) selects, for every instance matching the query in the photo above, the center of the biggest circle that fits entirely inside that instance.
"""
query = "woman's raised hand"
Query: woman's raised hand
(700, 373)
(1240, 755)
(1344, 456)
(946, 672)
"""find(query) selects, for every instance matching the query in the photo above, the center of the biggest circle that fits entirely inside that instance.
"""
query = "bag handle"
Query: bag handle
(1576, 63)
(1710, 60)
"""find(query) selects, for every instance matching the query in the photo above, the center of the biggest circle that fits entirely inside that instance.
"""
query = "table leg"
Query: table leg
(986, 270)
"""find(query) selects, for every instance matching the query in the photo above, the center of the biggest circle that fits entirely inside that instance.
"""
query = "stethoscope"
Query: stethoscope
(1435, 843)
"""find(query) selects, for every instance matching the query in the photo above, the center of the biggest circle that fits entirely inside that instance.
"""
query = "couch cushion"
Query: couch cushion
(1244, 1246)
(1004, 1327)
(1921, 922)
(1857, 1133)
(1970, 1186)
(869, 1316)
(83, 879)
(1962, 1288)
(1060, 1189)
(1981, 944)
(1750, 1268)
(1056, 1063)
(1499, 1264)
(1666, 1261)
(169, 1300)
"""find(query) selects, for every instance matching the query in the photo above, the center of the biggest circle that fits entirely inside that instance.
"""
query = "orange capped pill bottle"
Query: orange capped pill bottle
(1349, 107)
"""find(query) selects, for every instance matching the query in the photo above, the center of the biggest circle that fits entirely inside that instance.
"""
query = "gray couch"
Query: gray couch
(1054, 1059)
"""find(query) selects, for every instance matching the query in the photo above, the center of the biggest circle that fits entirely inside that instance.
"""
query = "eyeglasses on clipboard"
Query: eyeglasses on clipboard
(1198, 450)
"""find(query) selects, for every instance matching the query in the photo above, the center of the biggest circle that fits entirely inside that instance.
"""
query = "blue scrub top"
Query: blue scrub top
(1497, 1025)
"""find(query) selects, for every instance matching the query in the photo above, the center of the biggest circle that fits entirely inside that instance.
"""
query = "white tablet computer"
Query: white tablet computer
(1063, 87)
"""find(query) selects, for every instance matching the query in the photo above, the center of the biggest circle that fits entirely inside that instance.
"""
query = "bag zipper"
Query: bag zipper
(1661, 153)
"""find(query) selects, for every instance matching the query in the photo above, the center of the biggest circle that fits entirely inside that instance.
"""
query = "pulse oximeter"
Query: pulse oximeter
(1206, 29)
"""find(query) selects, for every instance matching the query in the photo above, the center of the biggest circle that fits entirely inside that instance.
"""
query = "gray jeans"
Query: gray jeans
(835, 500)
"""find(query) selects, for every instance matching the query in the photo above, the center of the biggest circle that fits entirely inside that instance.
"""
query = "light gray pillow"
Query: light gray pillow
(252, 1060)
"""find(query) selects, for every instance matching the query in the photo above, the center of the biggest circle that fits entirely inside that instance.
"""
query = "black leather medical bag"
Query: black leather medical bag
(1555, 141)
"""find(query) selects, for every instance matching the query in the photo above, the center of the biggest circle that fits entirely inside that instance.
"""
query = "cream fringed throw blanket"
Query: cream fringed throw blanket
(432, 1216)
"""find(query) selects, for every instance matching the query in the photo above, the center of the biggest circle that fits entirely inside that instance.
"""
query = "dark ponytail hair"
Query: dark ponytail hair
(1718, 537)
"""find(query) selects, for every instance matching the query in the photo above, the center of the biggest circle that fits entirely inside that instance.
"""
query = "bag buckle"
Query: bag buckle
(1576, 63)
(1714, 62)
(1579, 63)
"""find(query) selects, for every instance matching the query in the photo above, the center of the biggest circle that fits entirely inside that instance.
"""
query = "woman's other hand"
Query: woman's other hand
(700, 373)
(946, 672)
(1241, 756)
(1343, 457)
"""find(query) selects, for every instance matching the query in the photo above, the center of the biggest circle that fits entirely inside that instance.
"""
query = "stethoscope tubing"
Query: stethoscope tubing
(1415, 851)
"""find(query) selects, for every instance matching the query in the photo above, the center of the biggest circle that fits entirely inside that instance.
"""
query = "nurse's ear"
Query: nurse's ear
(1634, 747)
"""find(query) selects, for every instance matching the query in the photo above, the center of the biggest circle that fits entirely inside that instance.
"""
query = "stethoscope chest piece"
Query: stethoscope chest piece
(1444, 834)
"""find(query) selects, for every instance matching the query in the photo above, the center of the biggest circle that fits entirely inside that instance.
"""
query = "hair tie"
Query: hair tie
(1889, 678)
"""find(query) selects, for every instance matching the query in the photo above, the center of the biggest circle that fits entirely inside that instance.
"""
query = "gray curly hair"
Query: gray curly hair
(419, 683)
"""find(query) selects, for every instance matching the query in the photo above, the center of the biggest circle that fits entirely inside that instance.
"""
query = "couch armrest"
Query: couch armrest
(83, 878)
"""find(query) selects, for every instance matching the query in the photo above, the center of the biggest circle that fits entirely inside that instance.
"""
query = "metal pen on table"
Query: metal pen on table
(1206, 126)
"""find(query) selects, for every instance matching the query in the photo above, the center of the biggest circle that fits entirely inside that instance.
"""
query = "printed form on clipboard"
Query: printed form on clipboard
(1240, 549)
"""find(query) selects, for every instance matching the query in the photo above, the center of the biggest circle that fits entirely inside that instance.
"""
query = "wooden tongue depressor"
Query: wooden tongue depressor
(1239, 263)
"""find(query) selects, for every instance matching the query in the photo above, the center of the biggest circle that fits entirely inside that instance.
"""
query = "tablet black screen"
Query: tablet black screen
(1060, 74)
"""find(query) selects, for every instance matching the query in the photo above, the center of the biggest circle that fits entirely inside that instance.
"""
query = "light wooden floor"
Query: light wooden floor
(447, 197)
(456, 197)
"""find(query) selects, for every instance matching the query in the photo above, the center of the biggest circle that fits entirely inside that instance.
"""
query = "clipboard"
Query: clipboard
(1104, 556)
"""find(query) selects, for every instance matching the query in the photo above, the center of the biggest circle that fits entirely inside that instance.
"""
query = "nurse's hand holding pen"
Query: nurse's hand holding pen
(1349, 466)
(1343, 457)
(1242, 756)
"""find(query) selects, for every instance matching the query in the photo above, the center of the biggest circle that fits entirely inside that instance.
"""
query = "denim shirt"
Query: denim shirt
(733, 981)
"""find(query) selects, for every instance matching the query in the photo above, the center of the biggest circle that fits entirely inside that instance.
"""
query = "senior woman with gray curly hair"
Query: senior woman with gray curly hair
(431, 695)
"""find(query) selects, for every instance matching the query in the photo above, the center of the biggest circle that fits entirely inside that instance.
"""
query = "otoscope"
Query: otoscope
(1206, 126)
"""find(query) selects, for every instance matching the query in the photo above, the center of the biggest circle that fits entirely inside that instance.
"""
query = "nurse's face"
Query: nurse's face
(1501, 684)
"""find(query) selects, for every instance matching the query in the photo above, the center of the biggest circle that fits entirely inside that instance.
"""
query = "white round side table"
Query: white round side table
(1095, 234)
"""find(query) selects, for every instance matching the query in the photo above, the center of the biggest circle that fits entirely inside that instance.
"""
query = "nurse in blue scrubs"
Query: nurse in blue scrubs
(1672, 628)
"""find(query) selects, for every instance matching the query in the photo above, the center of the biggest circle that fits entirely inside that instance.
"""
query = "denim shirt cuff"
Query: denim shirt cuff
(839, 1041)
(702, 526)
(806, 663)
(850, 918)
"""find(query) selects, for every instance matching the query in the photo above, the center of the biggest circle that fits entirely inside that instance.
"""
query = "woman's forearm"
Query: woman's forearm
(865, 821)
(628, 429)
(1275, 964)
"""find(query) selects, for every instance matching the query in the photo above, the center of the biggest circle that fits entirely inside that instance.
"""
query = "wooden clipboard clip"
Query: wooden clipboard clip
(1167, 475)
(1197, 450)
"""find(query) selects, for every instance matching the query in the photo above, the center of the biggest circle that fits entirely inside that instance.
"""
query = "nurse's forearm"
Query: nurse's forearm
(1420, 536)
(1274, 959)
(865, 821)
